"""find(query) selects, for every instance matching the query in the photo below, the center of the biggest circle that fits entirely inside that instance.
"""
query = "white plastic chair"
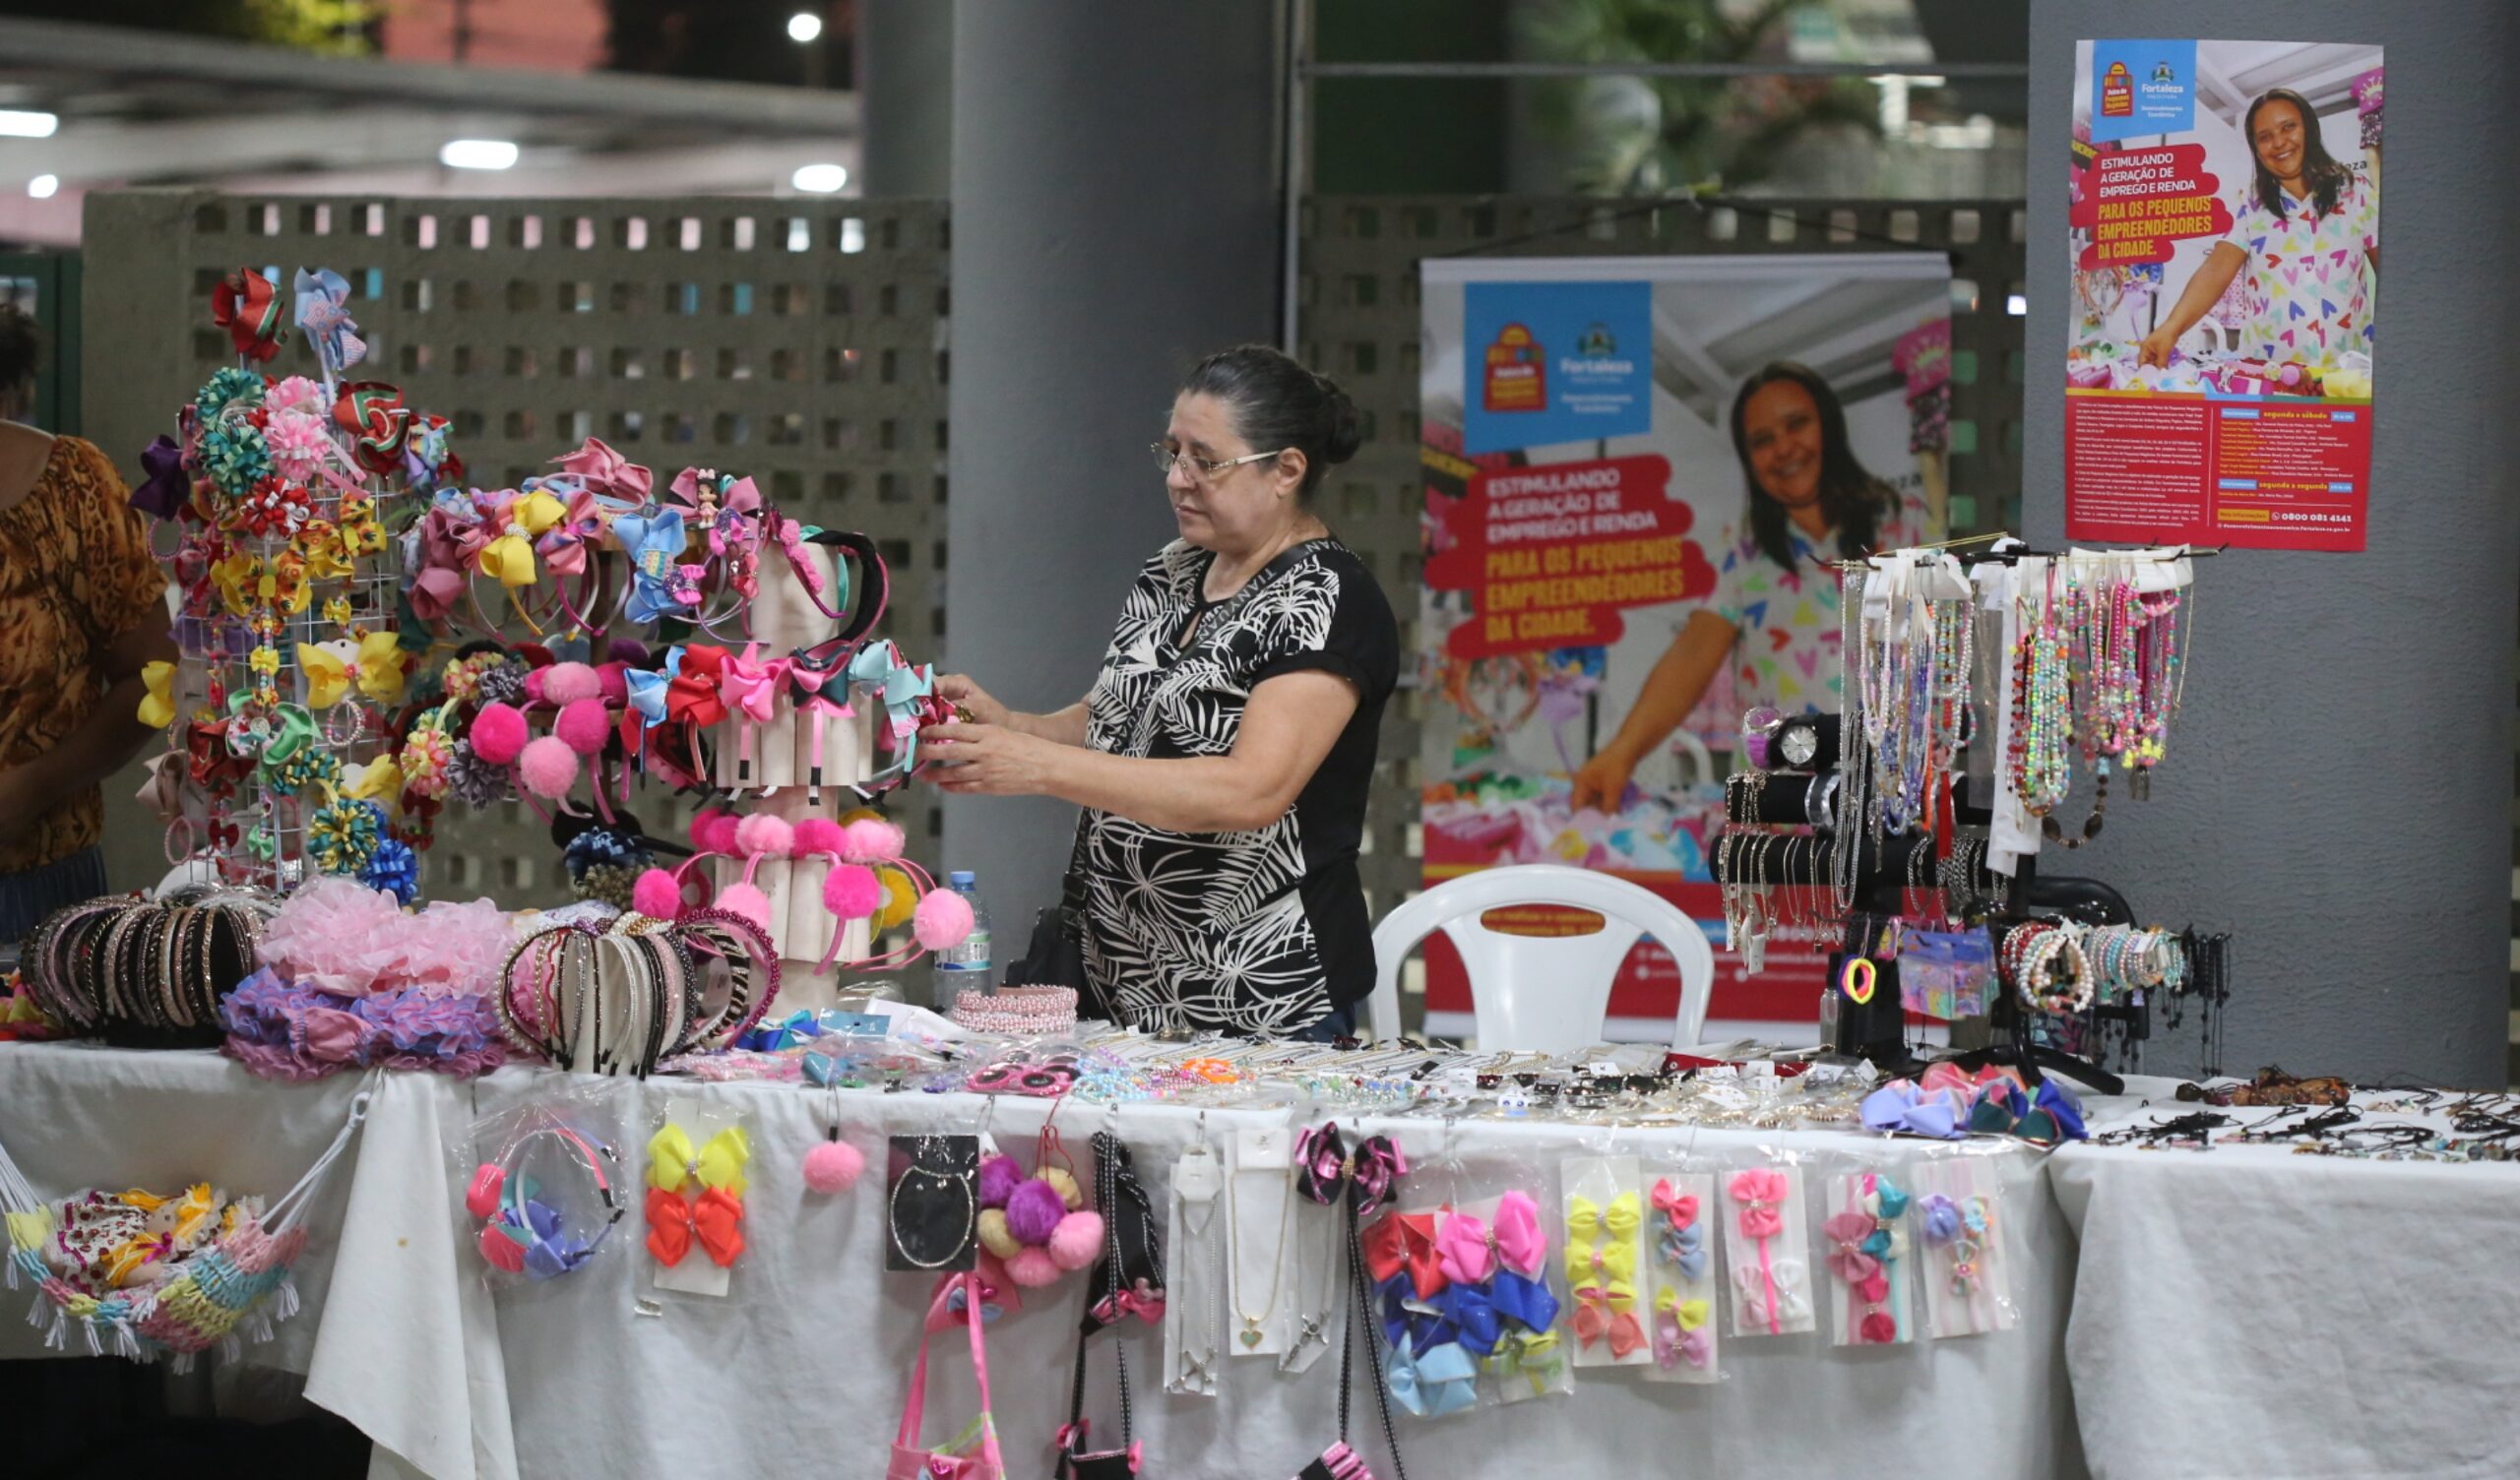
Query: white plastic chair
(1541, 993)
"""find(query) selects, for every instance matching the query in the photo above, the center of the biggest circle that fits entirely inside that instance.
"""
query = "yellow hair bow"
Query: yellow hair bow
(1584, 1261)
(158, 706)
(537, 511)
(382, 666)
(1690, 1313)
(1585, 1218)
(508, 560)
(380, 780)
(671, 1162)
(328, 673)
(327, 555)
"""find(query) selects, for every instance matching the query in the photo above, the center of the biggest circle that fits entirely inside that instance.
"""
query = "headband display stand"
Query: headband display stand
(785, 618)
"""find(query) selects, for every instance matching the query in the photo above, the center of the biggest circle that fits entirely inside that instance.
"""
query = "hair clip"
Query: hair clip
(1762, 1191)
(1680, 1333)
(713, 1176)
(1681, 1240)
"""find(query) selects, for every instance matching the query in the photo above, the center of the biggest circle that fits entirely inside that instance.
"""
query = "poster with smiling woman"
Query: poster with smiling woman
(2226, 242)
(1637, 474)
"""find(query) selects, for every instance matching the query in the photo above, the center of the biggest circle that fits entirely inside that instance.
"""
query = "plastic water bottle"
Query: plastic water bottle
(966, 968)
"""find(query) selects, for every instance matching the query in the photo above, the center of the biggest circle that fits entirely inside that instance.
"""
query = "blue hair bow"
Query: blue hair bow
(648, 689)
(1522, 1299)
(1435, 1382)
(1685, 1249)
(1474, 1314)
(653, 538)
(323, 315)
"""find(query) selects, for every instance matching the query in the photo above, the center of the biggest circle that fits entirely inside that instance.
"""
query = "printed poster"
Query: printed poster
(2226, 245)
(1626, 463)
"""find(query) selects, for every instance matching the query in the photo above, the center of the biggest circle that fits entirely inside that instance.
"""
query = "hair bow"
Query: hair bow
(1474, 1314)
(1520, 1241)
(1405, 1242)
(1886, 1203)
(563, 543)
(752, 684)
(1680, 1331)
(1434, 1383)
(1586, 1219)
(607, 471)
(1772, 1295)
(1609, 1311)
(1949, 1076)
(1683, 1246)
(653, 541)
(1847, 1233)
(646, 690)
(377, 661)
(374, 416)
(693, 695)
(525, 1237)
(1463, 1249)
(320, 298)
(157, 703)
(672, 1162)
(427, 465)
(1140, 1299)
(1408, 1323)
(1761, 1192)
(1962, 1226)
(1593, 1257)
(1533, 1355)
(1902, 1106)
(1524, 1299)
(246, 304)
(164, 485)
(1324, 1167)
(714, 1221)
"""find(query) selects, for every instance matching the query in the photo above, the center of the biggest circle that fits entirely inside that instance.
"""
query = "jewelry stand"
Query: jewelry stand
(784, 619)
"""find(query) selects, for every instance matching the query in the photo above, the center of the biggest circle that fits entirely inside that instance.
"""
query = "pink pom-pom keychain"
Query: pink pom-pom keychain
(833, 1165)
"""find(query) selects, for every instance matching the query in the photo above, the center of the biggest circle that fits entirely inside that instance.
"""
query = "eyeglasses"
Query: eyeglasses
(1202, 470)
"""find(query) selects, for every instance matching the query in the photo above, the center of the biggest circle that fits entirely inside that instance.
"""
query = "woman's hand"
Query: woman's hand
(958, 690)
(2157, 348)
(1602, 780)
(989, 760)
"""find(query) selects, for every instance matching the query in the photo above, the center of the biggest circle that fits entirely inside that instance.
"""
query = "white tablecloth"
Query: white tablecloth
(801, 1369)
(2245, 1312)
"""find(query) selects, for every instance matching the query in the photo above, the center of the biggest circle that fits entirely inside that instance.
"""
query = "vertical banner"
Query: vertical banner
(1637, 471)
(2226, 245)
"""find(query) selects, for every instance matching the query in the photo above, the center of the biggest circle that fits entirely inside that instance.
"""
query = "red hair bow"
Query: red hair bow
(247, 305)
(693, 695)
(714, 1221)
(374, 416)
(1405, 1241)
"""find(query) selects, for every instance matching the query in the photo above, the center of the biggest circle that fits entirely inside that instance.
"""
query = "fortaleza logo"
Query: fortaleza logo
(2117, 92)
(1595, 351)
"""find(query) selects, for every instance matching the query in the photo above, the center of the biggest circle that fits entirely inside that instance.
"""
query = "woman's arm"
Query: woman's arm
(1671, 691)
(98, 745)
(1289, 725)
(2203, 291)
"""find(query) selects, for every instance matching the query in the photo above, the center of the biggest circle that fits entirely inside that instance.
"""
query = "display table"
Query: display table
(800, 1370)
(2245, 1311)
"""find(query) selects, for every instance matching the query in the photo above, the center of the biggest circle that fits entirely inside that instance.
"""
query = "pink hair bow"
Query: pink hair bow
(1845, 1233)
(1678, 1207)
(1519, 1239)
(1761, 1192)
(563, 546)
(1949, 1076)
(751, 684)
(607, 471)
(1463, 1249)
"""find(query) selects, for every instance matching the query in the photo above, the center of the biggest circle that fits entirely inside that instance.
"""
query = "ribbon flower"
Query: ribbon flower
(321, 296)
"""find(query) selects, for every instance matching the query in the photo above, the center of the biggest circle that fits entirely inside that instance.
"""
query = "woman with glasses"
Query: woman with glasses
(1223, 757)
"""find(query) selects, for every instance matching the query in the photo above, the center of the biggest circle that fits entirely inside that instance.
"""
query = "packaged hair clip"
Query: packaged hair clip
(547, 1187)
(1606, 1268)
(1959, 1220)
(1767, 1262)
(1869, 1247)
(699, 1169)
(1681, 1211)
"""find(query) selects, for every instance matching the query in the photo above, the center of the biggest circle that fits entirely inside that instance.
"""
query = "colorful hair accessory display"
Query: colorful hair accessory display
(143, 1275)
(1771, 1295)
(695, 1194)
(1868, 1244)
(1684, 1333)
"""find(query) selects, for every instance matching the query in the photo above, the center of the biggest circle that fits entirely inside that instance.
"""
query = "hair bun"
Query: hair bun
(1341, 435)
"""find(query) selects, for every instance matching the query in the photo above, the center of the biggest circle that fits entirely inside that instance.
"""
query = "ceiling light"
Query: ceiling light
(477, 153)
(41, 187)
(804, 28)
(21, 123)
(819, 179)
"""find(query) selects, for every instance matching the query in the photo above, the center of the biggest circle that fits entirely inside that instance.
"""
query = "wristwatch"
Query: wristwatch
(1797, 741)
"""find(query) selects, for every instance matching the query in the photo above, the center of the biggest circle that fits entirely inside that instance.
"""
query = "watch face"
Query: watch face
(1798, 744)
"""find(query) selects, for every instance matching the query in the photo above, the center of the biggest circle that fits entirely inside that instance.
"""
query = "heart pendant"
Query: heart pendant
(1251, 1337)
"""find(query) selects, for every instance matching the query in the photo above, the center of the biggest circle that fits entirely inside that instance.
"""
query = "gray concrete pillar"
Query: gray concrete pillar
(906, 94)
(2338, 788)
(1115, 220)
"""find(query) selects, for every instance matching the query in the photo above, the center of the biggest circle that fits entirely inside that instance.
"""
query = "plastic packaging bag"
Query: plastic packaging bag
(1869, 1249)
(1766, 1257)
(699, 1160)
(1605, 1261)
(1945, 973)
(545, 1183)
(1681, 1211)
(1960, 1221)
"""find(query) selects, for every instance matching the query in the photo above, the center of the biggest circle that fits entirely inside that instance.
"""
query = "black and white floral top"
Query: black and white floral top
(1262, 932)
